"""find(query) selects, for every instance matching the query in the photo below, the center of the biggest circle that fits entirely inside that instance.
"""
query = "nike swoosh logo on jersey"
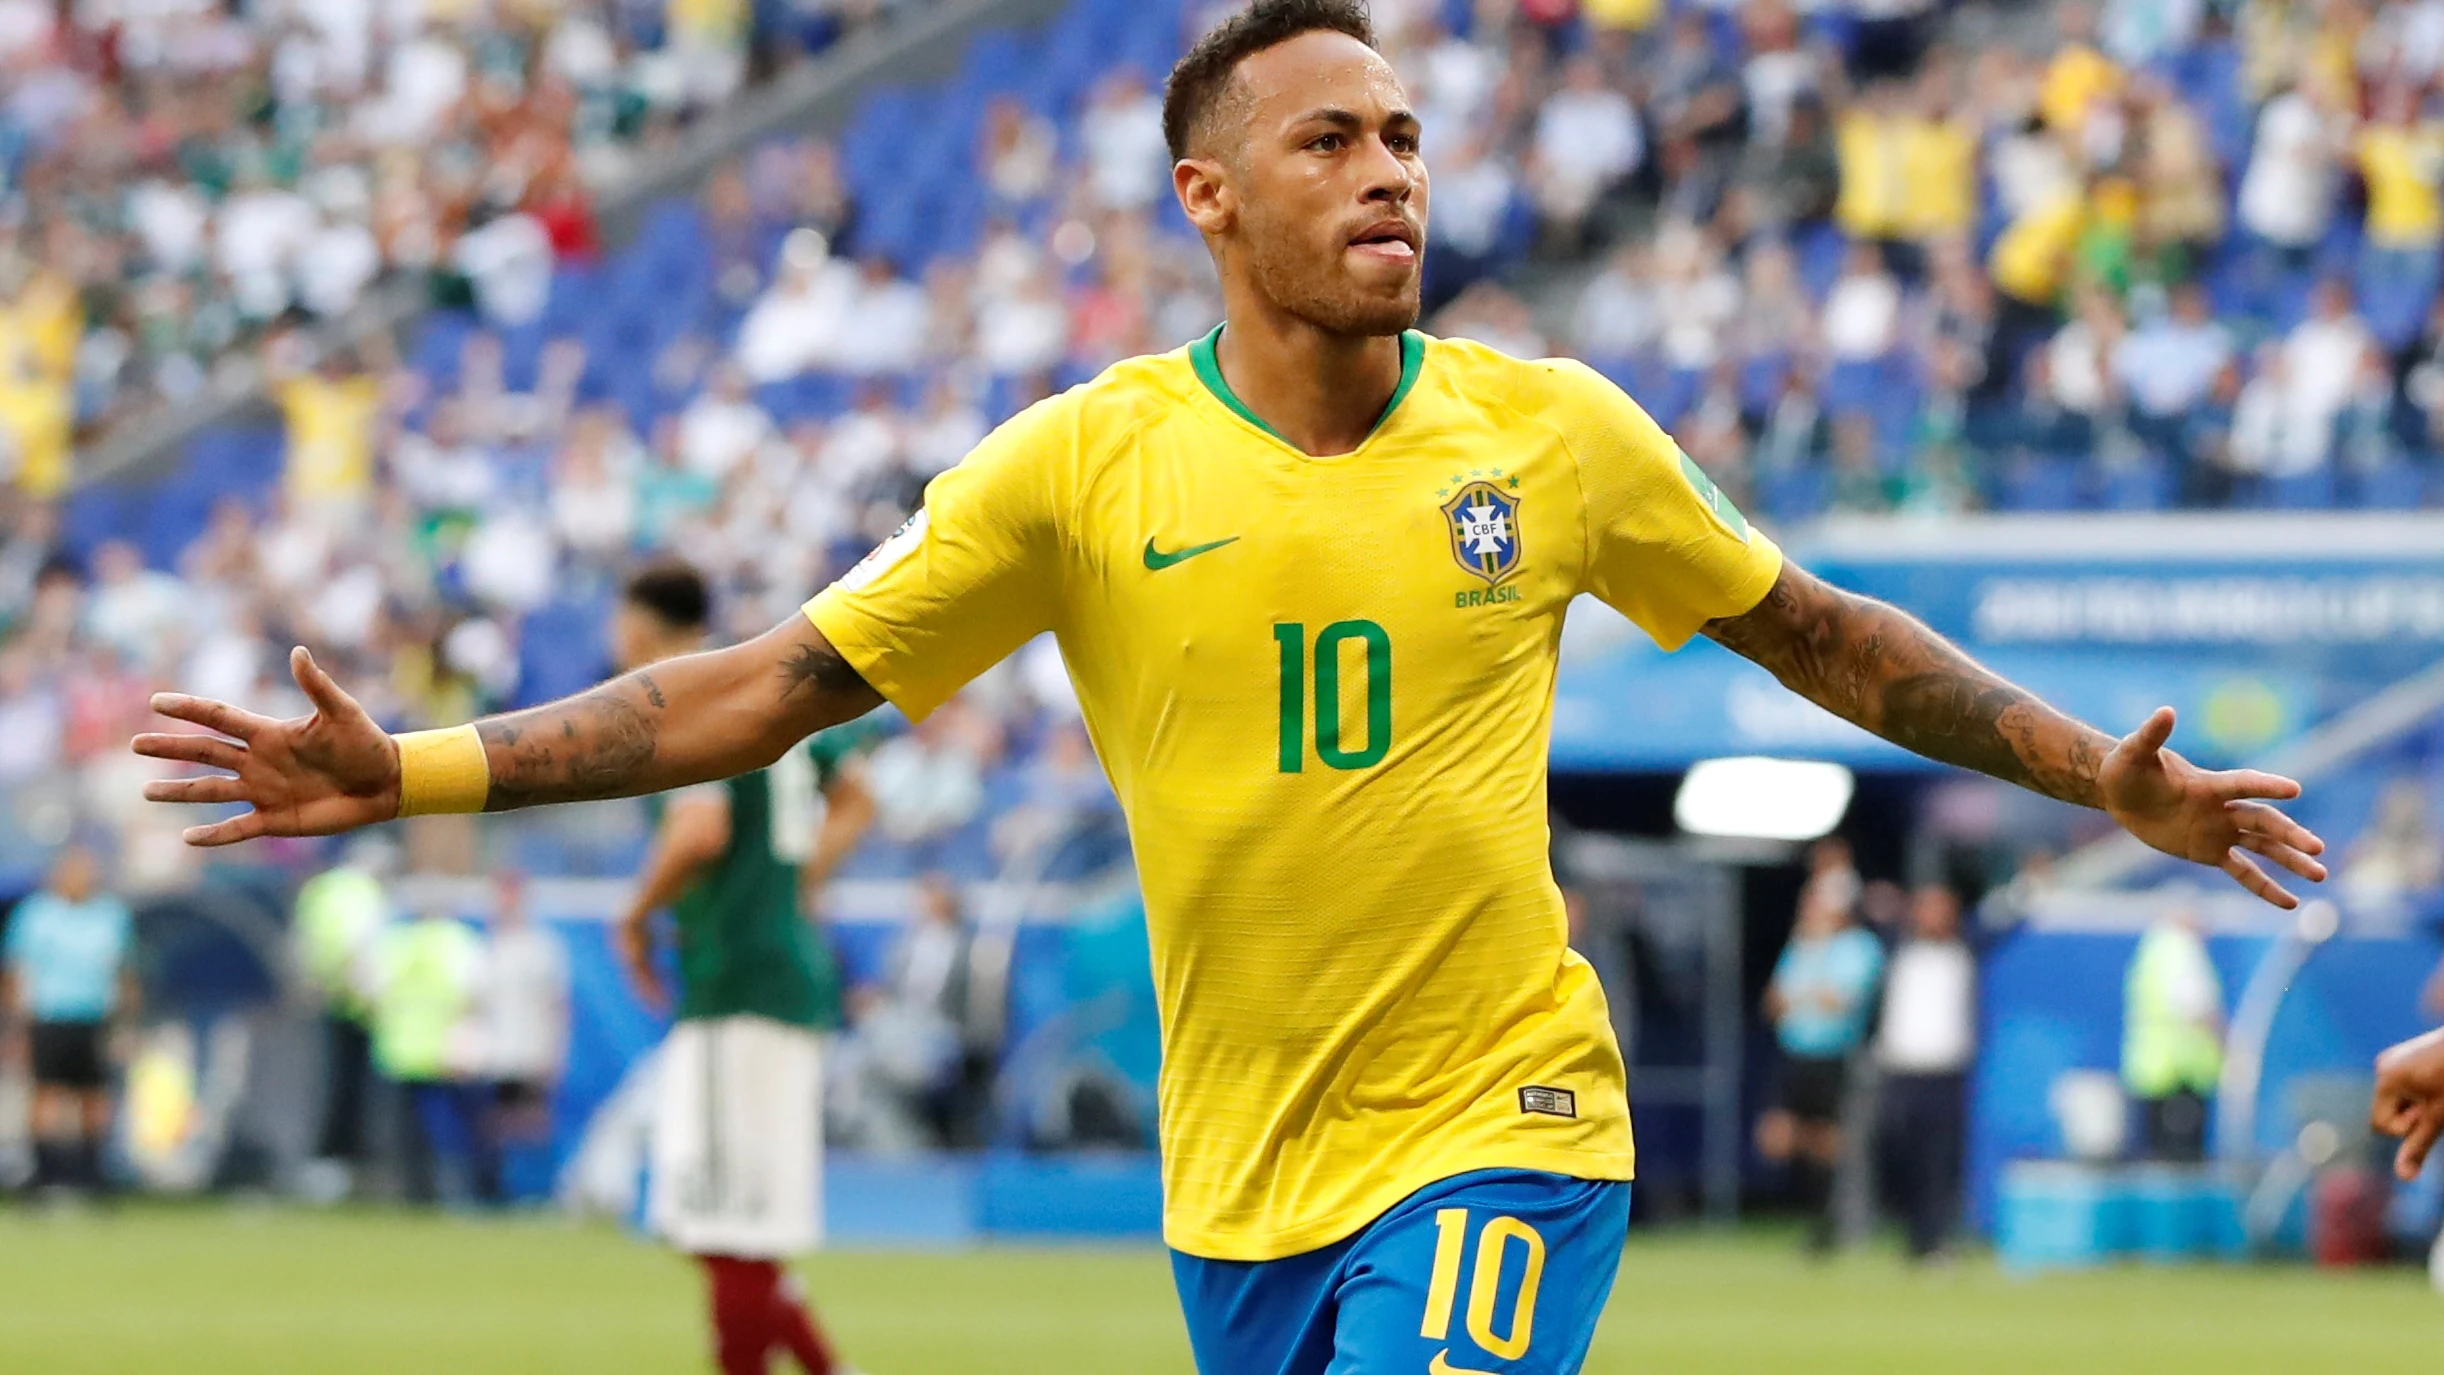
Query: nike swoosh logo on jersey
(1157, 560)
(1443, 1366)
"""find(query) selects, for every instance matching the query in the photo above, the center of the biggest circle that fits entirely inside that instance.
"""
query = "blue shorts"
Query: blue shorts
(1497, 1271)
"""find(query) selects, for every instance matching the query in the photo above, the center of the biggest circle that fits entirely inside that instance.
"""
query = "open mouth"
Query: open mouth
(1391, 240)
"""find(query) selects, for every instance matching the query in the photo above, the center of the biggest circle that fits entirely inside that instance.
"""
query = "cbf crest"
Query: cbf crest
(1484, 523)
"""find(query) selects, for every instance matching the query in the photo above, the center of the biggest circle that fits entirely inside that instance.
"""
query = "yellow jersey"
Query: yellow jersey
(37, 429)
(1323, 688)
(2402, 169)
(1939, 175)
(1875, 192)
(330, 436)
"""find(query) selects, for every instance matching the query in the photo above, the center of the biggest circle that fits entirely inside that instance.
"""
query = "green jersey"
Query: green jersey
(744, 947)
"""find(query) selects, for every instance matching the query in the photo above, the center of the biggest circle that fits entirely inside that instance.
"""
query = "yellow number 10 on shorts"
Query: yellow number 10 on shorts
(1498, 1272)
(1451, 1228)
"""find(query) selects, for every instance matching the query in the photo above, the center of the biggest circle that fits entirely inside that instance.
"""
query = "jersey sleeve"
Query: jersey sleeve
(1665, 547)
(973, 575)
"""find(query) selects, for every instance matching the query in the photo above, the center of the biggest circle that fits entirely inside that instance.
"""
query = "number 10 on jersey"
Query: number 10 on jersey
(1330, 746)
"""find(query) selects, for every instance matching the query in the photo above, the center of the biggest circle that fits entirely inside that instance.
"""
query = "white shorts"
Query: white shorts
(737, 1163)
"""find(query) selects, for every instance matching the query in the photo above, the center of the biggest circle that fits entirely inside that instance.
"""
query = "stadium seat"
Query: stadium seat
(2395, 486)
(2042, 482)
(2300, 492)
(1799, 494)
(2145, 485)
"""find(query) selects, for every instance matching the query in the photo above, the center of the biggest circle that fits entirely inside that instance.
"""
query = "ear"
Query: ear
(1206, 195)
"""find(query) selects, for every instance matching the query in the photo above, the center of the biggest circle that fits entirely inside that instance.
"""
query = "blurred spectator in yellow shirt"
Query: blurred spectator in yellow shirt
(2174, 164)
(2031, 265)
(332, 415)
(1869, 145)
(37, 421)
(704, 60)
(1627, 16)
(2401, 161)
(1938, 163)
(39, 319)
(2078, 78)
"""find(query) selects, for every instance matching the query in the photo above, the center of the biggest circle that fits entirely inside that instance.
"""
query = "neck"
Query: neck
(1322, 392)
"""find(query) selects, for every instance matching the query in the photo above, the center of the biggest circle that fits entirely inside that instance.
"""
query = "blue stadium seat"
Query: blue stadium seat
(1851, 385)
(997, 60)
(2395, 486)
(1799, 494)
(2042, 482)
(2146, 485)
(1819, 249)
(1761, 380)
(2303, 492)
(560, 651)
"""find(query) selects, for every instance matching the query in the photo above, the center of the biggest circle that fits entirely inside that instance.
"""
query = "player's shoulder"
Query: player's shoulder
(1099, 412)
(1532, 387)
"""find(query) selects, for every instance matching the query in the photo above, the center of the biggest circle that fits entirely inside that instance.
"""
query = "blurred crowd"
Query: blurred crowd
(1856, 256)
(178, 179)
(2138, 255)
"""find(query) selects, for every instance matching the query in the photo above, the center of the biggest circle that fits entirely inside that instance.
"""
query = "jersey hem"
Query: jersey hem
(1603, 1167)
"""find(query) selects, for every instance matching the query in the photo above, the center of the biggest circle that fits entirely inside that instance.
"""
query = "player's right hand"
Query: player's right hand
(312, 775)
(635, 941)
(2410, 1099)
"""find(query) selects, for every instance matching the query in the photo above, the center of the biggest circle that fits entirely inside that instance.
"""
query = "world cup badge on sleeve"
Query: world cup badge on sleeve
(1484, 521)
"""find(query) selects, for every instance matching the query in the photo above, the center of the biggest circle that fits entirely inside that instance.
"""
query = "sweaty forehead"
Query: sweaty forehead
(1316, 71)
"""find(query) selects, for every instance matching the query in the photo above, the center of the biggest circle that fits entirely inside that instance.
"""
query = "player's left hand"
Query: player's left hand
(2208, 817)
(2410, 1099)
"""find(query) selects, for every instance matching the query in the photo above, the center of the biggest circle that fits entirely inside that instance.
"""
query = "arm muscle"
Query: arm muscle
(687, 720)
(1880, 668)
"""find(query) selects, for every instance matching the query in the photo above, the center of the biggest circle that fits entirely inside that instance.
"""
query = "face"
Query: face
(74, 875)
(1934, 914)
(1311, 189)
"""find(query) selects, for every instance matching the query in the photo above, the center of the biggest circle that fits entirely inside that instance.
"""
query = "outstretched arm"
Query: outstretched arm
(1880, 668)
(685, 720)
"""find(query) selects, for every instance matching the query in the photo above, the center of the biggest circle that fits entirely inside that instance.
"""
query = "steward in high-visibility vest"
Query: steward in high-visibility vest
(429, 970)
(2172, 1037)
(340, 914)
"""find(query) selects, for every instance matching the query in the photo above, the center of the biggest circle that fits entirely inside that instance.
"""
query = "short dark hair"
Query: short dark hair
(1199, 81)
(674, 592)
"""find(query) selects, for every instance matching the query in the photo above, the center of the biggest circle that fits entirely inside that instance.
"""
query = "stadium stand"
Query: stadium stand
(179, 180)
(1849, 277)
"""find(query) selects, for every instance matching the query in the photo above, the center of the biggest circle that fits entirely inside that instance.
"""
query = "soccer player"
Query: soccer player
(738, 1131)
(1308, 574)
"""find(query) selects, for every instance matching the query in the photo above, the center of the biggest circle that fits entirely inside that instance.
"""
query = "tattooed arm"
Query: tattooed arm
(685, 720)
(1880, 668)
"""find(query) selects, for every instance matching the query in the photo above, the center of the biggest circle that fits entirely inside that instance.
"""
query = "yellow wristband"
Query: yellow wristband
(442, 771)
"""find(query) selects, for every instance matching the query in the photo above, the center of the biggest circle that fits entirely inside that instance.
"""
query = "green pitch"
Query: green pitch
(287, 1293)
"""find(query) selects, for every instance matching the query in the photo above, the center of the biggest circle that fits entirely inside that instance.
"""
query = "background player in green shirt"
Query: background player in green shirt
(738, 1129)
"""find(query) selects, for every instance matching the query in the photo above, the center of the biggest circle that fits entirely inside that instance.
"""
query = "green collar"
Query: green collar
(1204, 357)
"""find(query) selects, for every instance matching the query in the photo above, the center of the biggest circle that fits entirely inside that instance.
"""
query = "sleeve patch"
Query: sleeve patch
(903, 540)
(1712, 495)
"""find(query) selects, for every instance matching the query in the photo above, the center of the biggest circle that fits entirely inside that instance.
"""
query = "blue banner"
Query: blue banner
(1622, 705)
(2356, 598)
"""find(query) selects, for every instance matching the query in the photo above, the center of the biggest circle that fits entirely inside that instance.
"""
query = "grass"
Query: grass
(293, 1293)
